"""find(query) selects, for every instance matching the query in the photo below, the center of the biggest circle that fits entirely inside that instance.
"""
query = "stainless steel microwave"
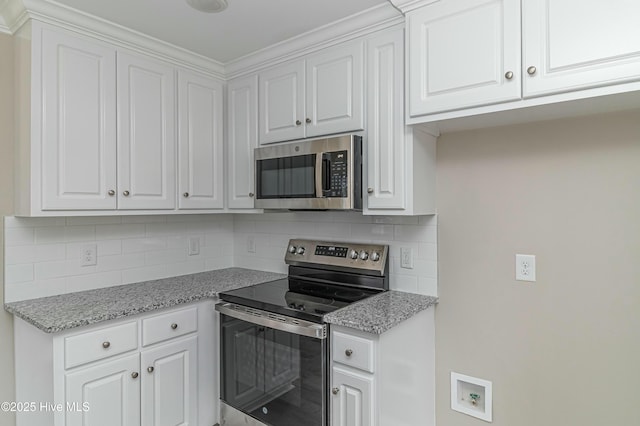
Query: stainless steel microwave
(320, 174)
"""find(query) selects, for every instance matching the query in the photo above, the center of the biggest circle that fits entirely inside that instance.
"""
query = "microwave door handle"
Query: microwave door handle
(319, 175)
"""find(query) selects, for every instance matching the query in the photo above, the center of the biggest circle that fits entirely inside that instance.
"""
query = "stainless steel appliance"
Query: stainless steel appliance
(321, 174)
(274, 342)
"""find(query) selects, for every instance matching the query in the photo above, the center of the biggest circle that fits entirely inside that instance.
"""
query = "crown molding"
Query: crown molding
(408, 5)
(17, 12)
(349, 28)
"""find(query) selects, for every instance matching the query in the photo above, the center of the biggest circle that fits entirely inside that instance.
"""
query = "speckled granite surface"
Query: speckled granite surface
(379, 313)
(58, 313)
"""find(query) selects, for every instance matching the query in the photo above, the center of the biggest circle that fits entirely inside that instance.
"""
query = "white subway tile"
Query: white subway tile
(416, 233)
(48, 270)
(50, 234)
(177, 242)
(117, 232)
(93, 281)
(146, 273)
(93, 220)
(120, 262)
(406, 283)
(371, 232)
(218, 263)
(428, 286)
(144, 219)
(163, 257)
(396, 220)
(79, 233)
(19, 236)
(32, 222)
(164, 229)
(34, 290)
(18, 273)
(138, 245)
(34, 254)
(329, 230)
(245, 225)
(430, 220)
(104, 248)
(428, 251)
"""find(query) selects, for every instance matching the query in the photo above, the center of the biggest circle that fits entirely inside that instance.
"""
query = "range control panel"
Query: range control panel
(364, 257)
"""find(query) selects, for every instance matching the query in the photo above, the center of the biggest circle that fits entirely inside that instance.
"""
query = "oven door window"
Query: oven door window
(275, 376)
(287, 177)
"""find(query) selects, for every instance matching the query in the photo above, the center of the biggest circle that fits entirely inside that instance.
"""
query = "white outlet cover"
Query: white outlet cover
(406, 257)
(525, 267)
(89, 255)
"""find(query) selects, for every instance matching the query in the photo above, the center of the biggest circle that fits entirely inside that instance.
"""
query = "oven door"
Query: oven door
(273, 368)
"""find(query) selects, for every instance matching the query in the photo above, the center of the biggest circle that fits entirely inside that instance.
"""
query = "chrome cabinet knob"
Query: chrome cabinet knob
(364, 255)
(150, 369)
(111, 192)
(134, 375)
(531, 70)
(251, 194)
(174, 326)
(375, 256)
(348, 352)
(125, 193)
(106, 345)
(298, 122)
(335, 391)
(369, 190)
(508, 75)
(353, 254)
(185, 195)
(308, 121)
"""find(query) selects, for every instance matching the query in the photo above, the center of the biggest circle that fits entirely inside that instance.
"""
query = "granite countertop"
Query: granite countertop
(57, 313)
(379, 313)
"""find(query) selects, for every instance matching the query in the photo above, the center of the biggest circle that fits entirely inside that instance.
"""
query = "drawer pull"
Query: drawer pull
(106, 345)
(348, 352)
(335, 391)
(174, 326)
(134, 375)
(150, 369)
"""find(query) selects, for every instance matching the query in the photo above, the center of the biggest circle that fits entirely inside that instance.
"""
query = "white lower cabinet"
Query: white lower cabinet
(93, 376)
(384, 379)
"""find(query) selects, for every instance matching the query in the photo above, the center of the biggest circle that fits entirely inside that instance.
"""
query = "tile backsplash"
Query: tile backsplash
(43, 255)
(271, 233)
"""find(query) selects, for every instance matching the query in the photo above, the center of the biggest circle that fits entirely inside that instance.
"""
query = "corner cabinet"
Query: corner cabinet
(99, 127)
(157, 368)
(386, 379)
(318, 95)
(401, 166)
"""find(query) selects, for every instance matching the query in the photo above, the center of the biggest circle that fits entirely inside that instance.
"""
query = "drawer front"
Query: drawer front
(353, 351)
(92, 346)
(167, 326)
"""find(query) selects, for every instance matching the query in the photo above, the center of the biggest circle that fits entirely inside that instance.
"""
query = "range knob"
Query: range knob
(375, 256)
(300, 250)
(292, 249)
(353, 254)
(364, 255)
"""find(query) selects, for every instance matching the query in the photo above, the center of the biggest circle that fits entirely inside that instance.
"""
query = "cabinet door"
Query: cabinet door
(105, 394)
(385, 142)
(242, 139)
(462, 54)
(282, 103)
(146, 134)
(335, 91)
(577, 44)
(79, 123)
(200, 151)
(281, 359)
(170, 383)
(352, 404)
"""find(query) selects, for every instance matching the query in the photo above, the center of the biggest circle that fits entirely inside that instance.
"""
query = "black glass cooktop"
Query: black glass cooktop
(297, 298)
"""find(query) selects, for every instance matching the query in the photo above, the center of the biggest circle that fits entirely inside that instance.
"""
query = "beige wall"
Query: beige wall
(6, 207)
(564, 350)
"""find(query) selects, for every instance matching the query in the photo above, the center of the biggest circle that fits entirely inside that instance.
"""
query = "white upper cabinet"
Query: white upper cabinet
(79, 123)
(146, 134)
(242, 139)
(319, 95)
(335, 91)
(200, 142)
(462, 54)
(282, 103)
(577, 44)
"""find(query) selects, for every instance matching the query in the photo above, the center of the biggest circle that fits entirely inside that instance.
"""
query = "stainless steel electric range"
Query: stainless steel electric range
(274, 343)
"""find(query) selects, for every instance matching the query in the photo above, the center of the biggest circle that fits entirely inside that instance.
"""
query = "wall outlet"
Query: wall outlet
(525, 267)
(406, 257)
(194, 246)
(89, 255)
(251, 244)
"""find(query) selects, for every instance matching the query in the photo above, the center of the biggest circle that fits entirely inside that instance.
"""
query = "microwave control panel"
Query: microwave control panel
(336, 174)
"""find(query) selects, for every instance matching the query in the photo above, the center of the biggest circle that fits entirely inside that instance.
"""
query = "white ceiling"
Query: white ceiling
(244, 27)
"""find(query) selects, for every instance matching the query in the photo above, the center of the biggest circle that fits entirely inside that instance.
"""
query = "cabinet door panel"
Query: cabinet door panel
(576, 44)
(146, 142)
(111, 394)
(459, 53)
(335, 91)
(200, 142)
(79, 123)
(170, 390)
(353, 404)
(385, 143)
(282, 103)
(242, 140)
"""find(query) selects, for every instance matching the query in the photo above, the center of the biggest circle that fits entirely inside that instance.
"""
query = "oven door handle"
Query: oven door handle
(275, 321)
